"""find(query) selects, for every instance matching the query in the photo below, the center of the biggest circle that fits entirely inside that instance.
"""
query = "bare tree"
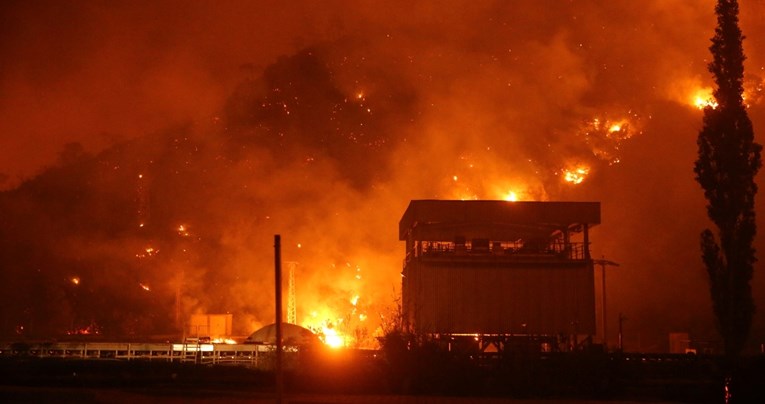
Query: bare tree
(727, 163)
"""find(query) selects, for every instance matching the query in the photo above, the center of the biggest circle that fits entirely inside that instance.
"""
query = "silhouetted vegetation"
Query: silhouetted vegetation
(728, 160)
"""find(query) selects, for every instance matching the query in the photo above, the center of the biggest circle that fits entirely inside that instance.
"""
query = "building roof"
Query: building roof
(292, 334)
(498, 220)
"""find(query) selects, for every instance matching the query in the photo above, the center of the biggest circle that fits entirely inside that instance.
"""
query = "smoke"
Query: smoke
(319, 122)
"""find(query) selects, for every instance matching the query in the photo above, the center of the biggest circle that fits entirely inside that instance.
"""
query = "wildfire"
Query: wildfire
(92, 329)
(326, 330)
(343, 320)
(75, 280)
(228, 341)
(147, 252)
(576, 175)
(605, 136)
(332, 338)
(514, 190)
(617, 127)
(145, 287)
(183, 230)
(704, 98)
(511, 197)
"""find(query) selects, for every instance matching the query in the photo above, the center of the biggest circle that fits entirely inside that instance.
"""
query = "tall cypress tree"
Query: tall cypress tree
(727, 163)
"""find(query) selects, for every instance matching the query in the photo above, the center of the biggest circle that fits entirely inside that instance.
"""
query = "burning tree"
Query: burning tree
(727, 163)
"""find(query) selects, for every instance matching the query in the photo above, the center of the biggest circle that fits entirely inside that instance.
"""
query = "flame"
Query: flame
(703, 98)
(342, 320)
(183, 230)
(605, 137)
(75, 280)
(326, 330)
(92, 328)
(147, 252)
(228, 341)
(617, 127)
(511, 197)
(332, 338)
(576, 175)
(145, 287)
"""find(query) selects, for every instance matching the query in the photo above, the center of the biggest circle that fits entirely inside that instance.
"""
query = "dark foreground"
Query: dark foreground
(347, 377)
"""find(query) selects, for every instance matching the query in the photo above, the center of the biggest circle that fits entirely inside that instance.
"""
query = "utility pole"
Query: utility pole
(603, 263)
(278, 317)
(621, 340)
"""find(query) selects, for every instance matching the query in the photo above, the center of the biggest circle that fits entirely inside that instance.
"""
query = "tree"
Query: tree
(728, 160)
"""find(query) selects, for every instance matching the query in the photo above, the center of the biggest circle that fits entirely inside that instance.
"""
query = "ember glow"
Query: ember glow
(147, 252)
(183, 230)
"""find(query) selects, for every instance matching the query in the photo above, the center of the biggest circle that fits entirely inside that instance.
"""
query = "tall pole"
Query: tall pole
(278, 316)
(621, 341)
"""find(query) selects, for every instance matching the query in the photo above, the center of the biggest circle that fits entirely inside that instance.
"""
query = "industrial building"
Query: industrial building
(499, 270)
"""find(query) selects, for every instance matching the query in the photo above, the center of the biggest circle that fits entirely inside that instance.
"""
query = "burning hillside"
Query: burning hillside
(154, 168)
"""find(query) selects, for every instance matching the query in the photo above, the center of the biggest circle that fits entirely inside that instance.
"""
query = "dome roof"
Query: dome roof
(292, 334)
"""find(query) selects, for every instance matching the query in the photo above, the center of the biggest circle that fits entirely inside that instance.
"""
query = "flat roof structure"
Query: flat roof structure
(431, 219)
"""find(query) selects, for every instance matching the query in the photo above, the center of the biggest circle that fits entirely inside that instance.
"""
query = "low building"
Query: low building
(499, 268)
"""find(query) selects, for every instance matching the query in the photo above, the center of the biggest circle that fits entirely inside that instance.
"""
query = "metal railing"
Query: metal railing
(252, 355)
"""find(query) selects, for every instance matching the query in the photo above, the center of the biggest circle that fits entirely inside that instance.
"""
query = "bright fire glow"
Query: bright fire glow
(75, 280)
(223, 341)
(511, 196)
(145, 287)
(704, 98)
(332, 338)
(576, 175)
